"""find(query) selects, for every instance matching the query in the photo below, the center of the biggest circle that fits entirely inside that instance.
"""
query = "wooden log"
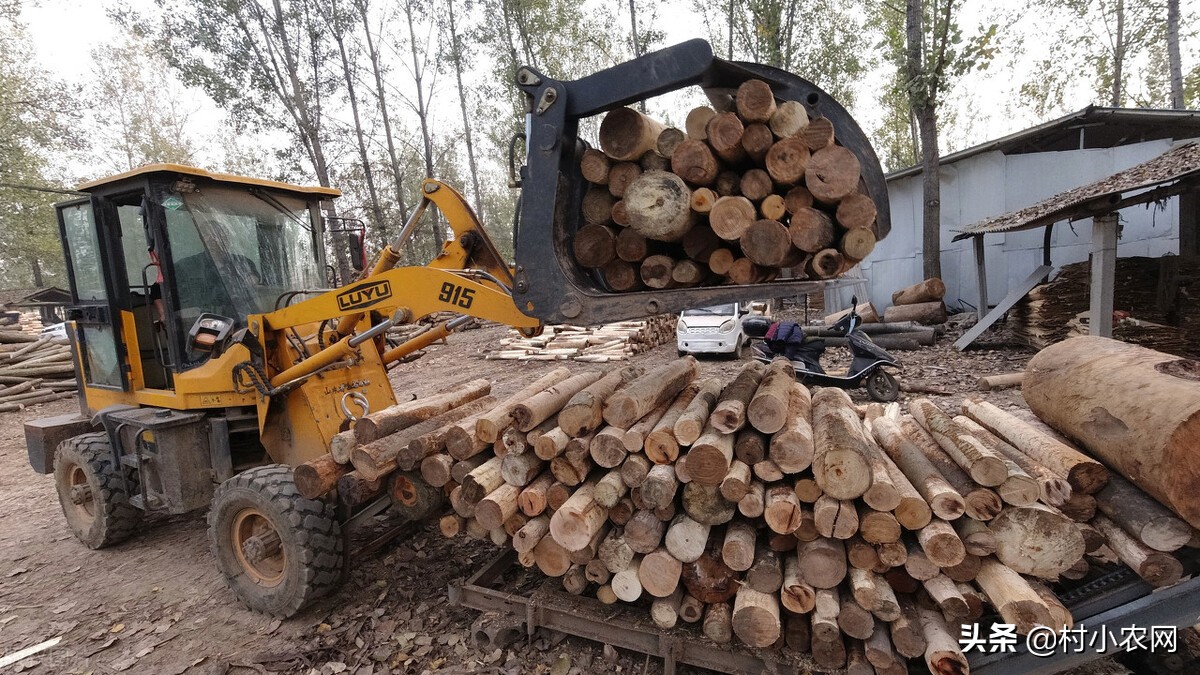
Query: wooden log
(753, 503)
(610, 489)
(860, 554)
(575, 523)
(743, 271)
(698, 245)
(811, 230)
(964, 571)
(644, 531)
(668, 142)
(703, 200)
(737, 550)
(582, 413)
(412, 499)
(941, 543)
(626, 584)
(695, 163)
(832, 173)
(1155, 567)
(621, 276)
(879, 651)
(994, 382)
(355, 490)
(710, 457)
(660, 486)
(756, 619)
(1052, 489)
(731, 216)
(979, 502)
(649, 392)
(594, 165)
(833, 517)
(318, 476)
(789, 119)
(631, 246)
(770, 405)
(857, 244)
(595, 245)
(384, 455)
(755, 101)
(807, 490)
(756, 141)
(818, 134)
(659, 573)
(521, 470)
(1019, 488)
(597, 205)
(944, 501)
(545, 404)
(795, 594)
(691, 421)
(706, 505)
(634, 438)
(977, 538)
(1152, 428)
(491, 425)
(1083, 473)
(756, 184)
(482, 480)
(720, 261)
(857, 211)
(943, 656)
(718, 622)
(498, 506)
(658, 204)
(451, 524)
(1143, 518)
(532, 500)
(929, 290)
(664, 612)
(1012, 596)
(787, 161)
(697, 120)
(736, 482)
(781, 510)
(607, 447)
(773, 207)
(826, 606)
(530, 534)
(403, 415)
(553, 443)
(634, 470)
(926, 313)
(724, 133)
(878, 527)
(686, 539)
(435, 469)
(840, 463)
(984, 465)
(626, 134)
(709, 579)
(823, 562)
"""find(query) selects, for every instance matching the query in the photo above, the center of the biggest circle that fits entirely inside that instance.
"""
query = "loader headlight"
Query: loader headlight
(727, 326)
(680, 327)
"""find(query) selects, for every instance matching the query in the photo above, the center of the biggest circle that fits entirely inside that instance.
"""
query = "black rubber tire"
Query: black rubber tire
(743, 351)
(310, 537)
(882, 386)
(109, 518)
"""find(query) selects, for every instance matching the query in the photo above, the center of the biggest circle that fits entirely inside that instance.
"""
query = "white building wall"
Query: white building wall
(991, 184)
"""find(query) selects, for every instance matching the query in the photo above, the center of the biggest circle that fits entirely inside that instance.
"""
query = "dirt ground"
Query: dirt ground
(156, 603)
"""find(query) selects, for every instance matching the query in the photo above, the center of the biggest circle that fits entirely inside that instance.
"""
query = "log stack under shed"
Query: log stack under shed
(755, 509)
(743, 195)
(34, 368)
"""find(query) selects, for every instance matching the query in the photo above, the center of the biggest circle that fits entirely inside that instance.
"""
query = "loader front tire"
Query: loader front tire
(92, 493)
(277, 550)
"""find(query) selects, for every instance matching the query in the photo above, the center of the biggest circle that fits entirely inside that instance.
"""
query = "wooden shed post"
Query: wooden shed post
(980, 275)
(1104, 264)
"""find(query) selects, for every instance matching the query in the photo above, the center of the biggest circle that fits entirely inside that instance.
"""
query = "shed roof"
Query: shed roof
(17, 297)
(1089, 128)
(1173, 172)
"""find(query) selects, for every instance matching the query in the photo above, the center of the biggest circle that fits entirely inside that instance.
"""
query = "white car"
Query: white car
(712, 330)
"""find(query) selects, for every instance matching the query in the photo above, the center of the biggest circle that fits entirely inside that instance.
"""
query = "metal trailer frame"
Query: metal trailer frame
(1115, 600)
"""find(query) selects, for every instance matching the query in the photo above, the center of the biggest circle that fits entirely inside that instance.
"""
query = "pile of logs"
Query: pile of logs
(1150, 291)
(610, 342)
(748, 193)
(900, 335)
(922, 302)
(758, 509)
(33, 368)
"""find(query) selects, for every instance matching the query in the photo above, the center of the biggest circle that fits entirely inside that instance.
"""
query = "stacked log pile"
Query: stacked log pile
(922, 302)
(610, 342)
(34, 368)
(750, 192)
(1150, 293)
(758, 509)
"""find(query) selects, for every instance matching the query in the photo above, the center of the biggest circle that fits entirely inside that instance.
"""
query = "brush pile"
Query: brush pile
(759, 510)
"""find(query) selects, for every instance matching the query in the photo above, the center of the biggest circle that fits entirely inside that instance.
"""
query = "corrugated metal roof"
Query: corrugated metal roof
(1165, 175)
(1092, 127)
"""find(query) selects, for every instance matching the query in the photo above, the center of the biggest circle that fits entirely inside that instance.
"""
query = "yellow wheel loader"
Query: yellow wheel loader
(212, 358)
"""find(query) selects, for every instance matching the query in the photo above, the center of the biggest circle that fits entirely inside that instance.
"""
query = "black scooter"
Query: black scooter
(866, 367)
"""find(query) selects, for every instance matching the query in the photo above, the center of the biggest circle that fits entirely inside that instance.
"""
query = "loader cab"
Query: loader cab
(151, 251)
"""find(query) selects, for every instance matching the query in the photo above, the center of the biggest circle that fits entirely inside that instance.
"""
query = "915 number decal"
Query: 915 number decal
(457, 295)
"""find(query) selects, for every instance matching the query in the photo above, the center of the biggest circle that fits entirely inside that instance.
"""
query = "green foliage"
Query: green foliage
(138, 114)
(37, 117)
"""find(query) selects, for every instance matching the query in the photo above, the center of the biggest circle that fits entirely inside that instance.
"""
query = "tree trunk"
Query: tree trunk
(926, 313)
(649, 392)
(422, 112)
(1174, 63)
(1012, 596)
(1156, 567)
(381, 98)
(840, 463)
(489, 427)
(1142, 517)
(756, 619)
(468, 138)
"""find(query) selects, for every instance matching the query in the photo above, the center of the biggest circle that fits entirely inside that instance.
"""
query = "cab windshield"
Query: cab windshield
(718, 310)
(236, 250)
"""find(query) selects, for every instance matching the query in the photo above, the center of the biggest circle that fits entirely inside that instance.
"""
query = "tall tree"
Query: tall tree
(398, 176)
(421, 51)
(340, 21)
(267, 62)
(37, 123)
(456, 52)
(1174, 59)
(139, 111)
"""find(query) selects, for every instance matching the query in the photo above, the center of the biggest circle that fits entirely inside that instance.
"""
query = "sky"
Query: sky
(65, 31)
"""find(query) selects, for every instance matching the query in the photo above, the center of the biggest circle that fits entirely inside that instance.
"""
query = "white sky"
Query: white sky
(65, 31)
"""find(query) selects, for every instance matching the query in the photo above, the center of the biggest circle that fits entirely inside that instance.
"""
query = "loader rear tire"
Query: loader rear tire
(92, 493)
(277, 550)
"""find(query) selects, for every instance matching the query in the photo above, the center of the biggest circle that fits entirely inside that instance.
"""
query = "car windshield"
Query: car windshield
(719, 310)
(236, 252)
